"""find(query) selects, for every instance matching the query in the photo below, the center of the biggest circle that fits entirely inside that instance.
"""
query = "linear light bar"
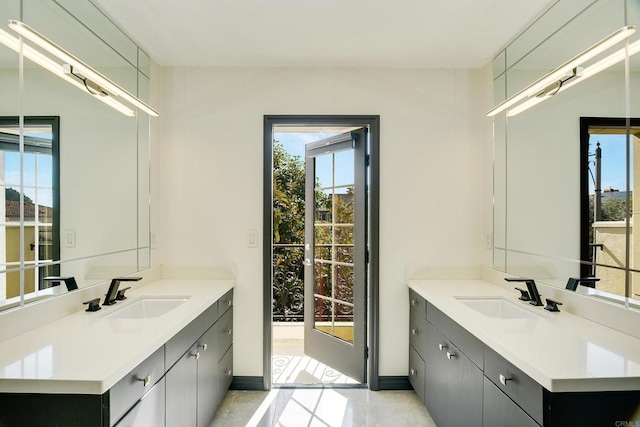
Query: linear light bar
(81, 67)
(48, 64)
(557, 73)
(589, 71)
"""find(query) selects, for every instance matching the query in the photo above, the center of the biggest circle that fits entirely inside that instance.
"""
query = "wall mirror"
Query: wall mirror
(544, 173)
(78, 169)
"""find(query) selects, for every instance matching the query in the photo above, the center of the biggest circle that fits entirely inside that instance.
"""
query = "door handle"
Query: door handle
(307, 262)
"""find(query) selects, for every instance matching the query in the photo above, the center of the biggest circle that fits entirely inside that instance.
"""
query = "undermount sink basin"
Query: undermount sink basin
(498, 307)
(147, 307)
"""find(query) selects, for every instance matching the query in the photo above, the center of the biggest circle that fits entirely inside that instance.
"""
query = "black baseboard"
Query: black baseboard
(384, 383)
(247, 383)
(394, 383)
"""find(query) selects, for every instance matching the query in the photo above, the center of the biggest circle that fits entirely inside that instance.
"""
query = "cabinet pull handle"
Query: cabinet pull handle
(228, 372)
(413, 371)
(451, 356)
(442, 347)
(228, 331)
(146, 380)
(229, 303)
(503, 379)
(414, 331)
(196, 355)
(414, 302)
(203, 347)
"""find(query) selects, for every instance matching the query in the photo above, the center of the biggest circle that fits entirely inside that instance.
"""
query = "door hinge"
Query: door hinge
(367, 160)
(366, 352)
(366, 256)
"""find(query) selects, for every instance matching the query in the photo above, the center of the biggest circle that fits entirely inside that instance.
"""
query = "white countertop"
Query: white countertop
(561, 351)
(88, 353)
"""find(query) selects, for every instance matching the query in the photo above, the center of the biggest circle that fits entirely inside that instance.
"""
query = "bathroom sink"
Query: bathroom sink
(147, 307)
(498, 307)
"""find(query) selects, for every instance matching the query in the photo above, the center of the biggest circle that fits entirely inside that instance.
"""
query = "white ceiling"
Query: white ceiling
(323, 33)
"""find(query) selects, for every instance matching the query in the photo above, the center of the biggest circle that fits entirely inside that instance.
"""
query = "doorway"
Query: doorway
(320, 251)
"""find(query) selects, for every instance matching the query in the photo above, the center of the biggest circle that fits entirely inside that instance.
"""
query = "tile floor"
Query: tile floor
(322, 407)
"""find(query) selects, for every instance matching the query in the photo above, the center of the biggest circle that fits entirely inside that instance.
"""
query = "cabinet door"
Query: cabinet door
(464, 390)
(500, 411)
(453, 383)
(149, 411)
(207, 377)
(416, 372)
(436, 379)
(225, 373)
(182, 383)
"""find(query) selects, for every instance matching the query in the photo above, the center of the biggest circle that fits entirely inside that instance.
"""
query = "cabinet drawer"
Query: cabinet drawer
(417, 373)
(224, 333)
(133, 386)
(417, 303)
(184, 339)
(471, 346)
(500, 411)
(225, 303)
(417, 332)
(225, 373)
(521, 388)
(149, 411)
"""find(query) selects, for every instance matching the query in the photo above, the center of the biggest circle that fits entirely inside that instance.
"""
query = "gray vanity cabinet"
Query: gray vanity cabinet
(500, 411)
(149, 411)
(417, 344)
(466, 383)
(182, 396)
(446, 379)
(207, 378)
(453, 392)
(197, 382)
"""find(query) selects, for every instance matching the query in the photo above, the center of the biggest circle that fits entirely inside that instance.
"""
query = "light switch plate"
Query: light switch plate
(70, 238)
(252, 238)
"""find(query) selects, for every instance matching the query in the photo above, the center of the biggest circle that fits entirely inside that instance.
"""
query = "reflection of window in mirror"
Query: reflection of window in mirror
(39, 187)
(606, 200)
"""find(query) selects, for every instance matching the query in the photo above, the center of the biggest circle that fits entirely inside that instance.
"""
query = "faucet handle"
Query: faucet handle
(127, 279)
(121, 296)
(552, 305)
(94, 304)
(524, 295)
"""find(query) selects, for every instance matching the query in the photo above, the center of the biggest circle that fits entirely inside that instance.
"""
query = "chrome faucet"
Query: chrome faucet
(531, 286)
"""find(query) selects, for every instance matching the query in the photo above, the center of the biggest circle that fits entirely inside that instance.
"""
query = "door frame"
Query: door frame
(373, 315)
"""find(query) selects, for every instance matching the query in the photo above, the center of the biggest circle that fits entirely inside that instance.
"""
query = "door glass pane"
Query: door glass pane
(344, 283)
(344, 168)
(323, 286)
(333, 244)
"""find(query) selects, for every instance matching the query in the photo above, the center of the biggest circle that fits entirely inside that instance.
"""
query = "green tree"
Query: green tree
(14, 195)
(288, 196)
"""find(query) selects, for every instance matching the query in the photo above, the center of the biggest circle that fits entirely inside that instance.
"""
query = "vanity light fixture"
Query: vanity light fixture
(587, 72)
(554, 76)
(48, 64)
(79, 67)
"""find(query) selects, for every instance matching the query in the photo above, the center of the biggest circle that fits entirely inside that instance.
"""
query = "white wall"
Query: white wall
(211, 176)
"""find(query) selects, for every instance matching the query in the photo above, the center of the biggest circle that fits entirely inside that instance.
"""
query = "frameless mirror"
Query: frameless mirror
(543, 224)
(76, 179)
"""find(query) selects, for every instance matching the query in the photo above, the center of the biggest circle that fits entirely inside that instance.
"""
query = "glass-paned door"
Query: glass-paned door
(335, 247)
(28, 177)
